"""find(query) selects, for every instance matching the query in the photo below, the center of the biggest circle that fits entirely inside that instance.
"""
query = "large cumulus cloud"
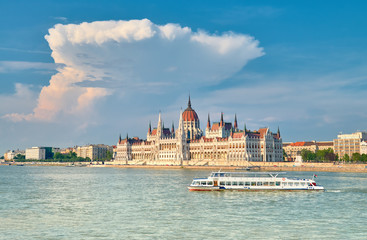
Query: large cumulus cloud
(95, 59)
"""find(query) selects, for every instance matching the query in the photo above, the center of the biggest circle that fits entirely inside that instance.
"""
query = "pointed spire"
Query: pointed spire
(127, 136)
(173, 128)
(159, 119)
(235, 122)
(150, 128)
(189, 103)
(278, 132)
(208, 124)
(221, 119)
(245, 129)
(120, 138)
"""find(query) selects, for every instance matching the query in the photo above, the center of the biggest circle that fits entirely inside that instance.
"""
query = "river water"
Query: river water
(116, 203)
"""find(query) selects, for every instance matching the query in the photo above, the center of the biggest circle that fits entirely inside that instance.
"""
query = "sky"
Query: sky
(84, 72)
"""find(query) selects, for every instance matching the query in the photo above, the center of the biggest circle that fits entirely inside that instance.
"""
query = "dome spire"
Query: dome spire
(189, 103)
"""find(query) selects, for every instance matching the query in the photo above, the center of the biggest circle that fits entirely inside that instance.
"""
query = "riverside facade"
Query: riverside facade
(223, 144)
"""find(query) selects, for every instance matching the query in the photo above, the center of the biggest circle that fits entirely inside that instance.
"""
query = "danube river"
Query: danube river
(118, 203)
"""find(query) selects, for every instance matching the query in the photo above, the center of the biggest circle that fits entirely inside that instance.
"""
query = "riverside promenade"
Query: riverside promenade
(257, 166)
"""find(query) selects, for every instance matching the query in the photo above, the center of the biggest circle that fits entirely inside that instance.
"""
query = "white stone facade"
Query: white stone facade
(35, 153)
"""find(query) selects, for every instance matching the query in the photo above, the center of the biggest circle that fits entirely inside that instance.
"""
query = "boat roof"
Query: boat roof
(244, 174)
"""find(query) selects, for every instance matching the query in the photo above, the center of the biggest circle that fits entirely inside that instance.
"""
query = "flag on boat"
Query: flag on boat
(315, 176)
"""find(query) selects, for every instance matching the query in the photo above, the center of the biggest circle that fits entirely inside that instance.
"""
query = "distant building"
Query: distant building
(9, 155)
(294, 149)
(324, 145)
(35, 153)
(350, 143)
(363, 147)
(93, 151)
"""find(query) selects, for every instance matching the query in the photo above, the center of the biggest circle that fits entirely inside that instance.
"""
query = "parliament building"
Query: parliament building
(223, 144)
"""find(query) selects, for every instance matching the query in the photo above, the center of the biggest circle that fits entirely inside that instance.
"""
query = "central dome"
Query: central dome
(189, 114)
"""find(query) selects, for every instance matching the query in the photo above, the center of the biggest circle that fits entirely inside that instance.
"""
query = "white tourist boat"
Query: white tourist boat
(244, 181)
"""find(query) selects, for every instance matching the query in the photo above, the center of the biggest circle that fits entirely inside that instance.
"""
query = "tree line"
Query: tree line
(59, 157)
(328, 155)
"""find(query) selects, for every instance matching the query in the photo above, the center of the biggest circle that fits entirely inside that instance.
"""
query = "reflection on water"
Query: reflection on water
(108, 203)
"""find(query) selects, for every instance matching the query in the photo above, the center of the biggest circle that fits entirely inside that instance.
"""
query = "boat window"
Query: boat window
(266, 183)
(247, 184)
(241, 183)
(234, 184)
(228, 183)
(196, 183)
(285, 183)
(203, 183)
(296, 184)
(253, 183)
(277, 183)
(272, 183)
(290, 183)
(222, 174)
(210, 183)
(259, 183)
(215, 175)
(222, 183)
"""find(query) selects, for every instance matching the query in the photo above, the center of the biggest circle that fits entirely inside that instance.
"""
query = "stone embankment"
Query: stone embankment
(262, 166)
(211, 165)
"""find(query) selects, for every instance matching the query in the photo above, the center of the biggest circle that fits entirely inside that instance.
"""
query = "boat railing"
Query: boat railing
(246, 174)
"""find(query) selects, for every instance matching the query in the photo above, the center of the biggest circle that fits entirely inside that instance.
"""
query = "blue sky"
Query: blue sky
(299, 65)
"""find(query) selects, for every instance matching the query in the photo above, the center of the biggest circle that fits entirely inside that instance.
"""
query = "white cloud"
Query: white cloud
(23, 99)
(101, 58)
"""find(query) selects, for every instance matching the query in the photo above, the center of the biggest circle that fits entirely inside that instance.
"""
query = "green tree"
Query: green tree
(58, 156)
(346, 158)
(356, 157)
(307, 155)
(19, 157)
(72, 155)
(109, 155)
(364, 158)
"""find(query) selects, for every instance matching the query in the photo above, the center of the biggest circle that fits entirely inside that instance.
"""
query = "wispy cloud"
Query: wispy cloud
(23, 50)
(7, 66)
(63, 19)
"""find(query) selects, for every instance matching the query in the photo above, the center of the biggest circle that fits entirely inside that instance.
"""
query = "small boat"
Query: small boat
(247, 181)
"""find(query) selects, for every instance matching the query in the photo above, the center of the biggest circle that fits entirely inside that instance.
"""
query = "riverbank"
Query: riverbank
(255, 166)
(356, 168)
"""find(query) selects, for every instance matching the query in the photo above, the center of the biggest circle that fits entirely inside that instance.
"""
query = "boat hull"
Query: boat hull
(211, 188)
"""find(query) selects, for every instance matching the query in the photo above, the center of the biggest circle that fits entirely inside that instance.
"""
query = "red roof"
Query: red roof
(215, 126)
(190, 115)
(262, 132)
(238, 135)
(300, 144)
